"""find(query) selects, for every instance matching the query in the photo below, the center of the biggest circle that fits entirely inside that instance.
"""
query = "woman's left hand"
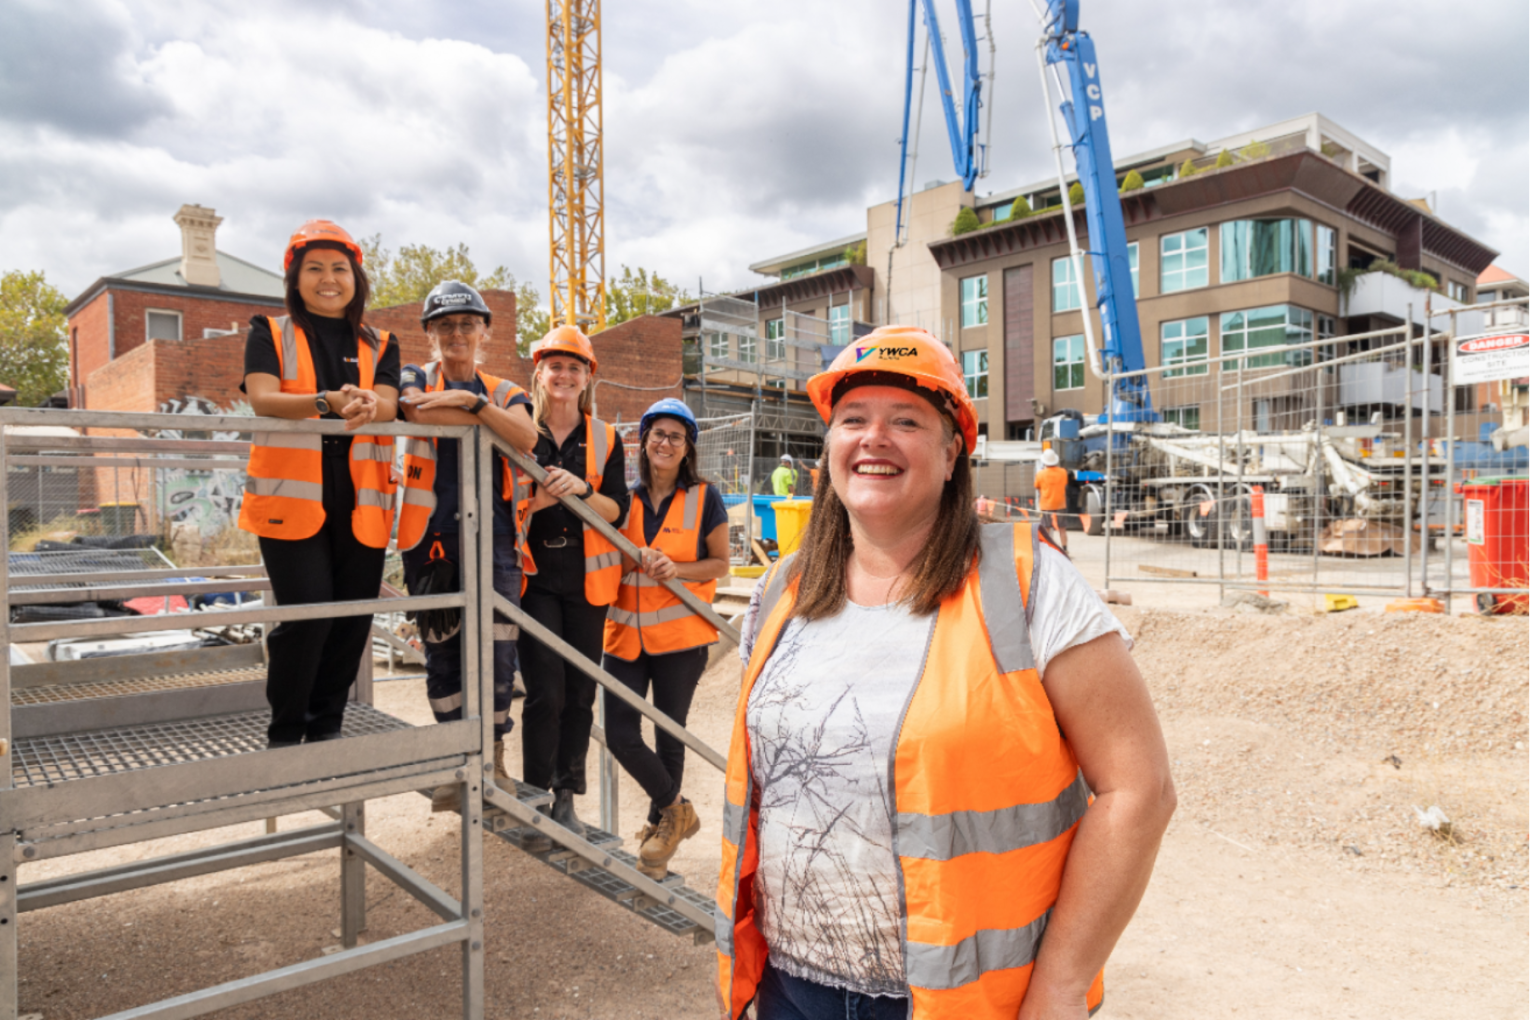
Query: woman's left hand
(659, 566)
(360, 409)
(1043, 1004)
(444, 399)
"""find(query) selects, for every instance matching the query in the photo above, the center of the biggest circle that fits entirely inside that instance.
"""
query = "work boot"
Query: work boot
(446, 798)
(563, 812)
(648, 830)
(501, 775)
(677, 822)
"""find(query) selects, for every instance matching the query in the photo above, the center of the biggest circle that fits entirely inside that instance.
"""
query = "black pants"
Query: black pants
(312, 663)
(560, 699)
(674, 677)
(443, 661)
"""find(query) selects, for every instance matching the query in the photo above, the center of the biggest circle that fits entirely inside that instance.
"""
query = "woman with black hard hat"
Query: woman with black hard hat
(572, 571)
(452, 390)
(321, 505)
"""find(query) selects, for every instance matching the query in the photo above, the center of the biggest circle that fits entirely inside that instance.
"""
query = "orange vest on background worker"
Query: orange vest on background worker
(987, 799)
(647, 616)
(1052, 489)
(602, 560)
(418, 497)
(284, 483)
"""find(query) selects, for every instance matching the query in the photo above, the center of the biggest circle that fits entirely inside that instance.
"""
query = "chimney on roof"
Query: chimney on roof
(199, 257)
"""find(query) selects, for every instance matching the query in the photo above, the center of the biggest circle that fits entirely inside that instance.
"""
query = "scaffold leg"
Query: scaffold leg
(353, 876)
(472, 888)
(9, 974)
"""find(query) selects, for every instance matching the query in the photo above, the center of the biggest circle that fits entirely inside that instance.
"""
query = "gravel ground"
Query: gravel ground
(1294, 879)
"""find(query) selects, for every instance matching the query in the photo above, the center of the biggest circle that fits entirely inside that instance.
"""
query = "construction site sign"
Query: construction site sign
(1488, 358)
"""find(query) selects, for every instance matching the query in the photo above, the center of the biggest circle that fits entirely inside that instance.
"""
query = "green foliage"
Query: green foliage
(966, 221)
(33, 355)
(1076, 195)
(640, 293)
(1345, 278)
(1019, 209)
(855, 254)
(1188, 168)
(1132, 181)
(1254, 150)
(1224, 158)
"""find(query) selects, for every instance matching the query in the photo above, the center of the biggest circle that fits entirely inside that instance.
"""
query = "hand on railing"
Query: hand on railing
(658, 566)
(360, 409)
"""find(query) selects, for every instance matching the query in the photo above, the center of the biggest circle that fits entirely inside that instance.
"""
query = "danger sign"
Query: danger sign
(1480, 359)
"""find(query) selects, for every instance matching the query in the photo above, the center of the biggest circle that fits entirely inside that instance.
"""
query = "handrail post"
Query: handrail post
(10, 974)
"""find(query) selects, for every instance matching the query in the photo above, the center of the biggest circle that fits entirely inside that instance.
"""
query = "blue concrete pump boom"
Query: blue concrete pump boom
(1084, 114)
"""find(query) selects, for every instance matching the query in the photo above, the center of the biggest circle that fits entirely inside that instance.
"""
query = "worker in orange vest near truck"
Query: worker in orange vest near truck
(1052, 493)
(322, 506)
(452, 390)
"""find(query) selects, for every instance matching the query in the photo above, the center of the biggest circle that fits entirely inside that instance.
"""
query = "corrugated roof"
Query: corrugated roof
(239, 276)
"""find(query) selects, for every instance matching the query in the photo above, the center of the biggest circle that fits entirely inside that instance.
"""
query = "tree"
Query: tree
(1224, 158)
(417, 268)
(855, 254)
(966, 221)
(640, 293)
(1254, 150)
(1076, 195)
(1188, 168)
(34, 357)
(1019, 209)
(1133, 181)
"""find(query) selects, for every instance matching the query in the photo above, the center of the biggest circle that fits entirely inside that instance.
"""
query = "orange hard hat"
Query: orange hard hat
(564, 340)
(316, 231)
(905, 351)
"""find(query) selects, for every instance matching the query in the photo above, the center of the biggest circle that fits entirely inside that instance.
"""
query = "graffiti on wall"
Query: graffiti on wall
(208, 499)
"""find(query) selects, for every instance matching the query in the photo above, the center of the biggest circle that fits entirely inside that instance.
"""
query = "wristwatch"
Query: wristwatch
(478, 405)
(321, 404)
(589, 490)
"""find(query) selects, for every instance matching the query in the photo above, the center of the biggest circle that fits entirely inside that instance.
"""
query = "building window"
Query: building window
(839, 325)
(1131, 257)
(1186, 340)
(775, 339)
(1066, 295)
(717, 345)
(746, 343)
(1183, 261)
(1456, 291)
(1253, 248)
(1187, 417)
(1327, 255)
(1275, 326)
(975, 372)
(975, 301)
(1068, 362)
(162, 325)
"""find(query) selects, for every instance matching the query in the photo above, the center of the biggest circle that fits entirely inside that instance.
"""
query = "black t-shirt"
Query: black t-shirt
(713, 513)
(448, 493)
(332, 346)
(557, 520)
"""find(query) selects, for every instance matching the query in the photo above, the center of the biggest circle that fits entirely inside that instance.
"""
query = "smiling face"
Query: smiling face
(457, 337)
(563, 377)
(666, 445)
(326, 282)
(890, 454)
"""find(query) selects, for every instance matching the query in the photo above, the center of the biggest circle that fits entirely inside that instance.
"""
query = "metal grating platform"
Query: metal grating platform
(82, 561)
(40, 761)
(55, 693)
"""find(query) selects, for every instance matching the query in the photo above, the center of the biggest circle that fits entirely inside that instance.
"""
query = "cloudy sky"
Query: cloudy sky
(734, 131)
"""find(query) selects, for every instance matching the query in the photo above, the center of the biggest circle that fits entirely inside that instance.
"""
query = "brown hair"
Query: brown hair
(938, 573)
(689, 476)
(301, 316)
(539, 394)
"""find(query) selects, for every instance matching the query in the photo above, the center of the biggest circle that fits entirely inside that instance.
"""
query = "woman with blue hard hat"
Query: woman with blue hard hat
(652, 639)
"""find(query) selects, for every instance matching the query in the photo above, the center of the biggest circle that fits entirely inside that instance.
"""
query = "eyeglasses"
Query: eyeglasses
(675, 439)
(460, 328)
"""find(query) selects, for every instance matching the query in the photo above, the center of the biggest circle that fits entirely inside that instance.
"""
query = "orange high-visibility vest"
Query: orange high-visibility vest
(284, 483)
(602, 560)
(648, 617)
(987, 794)
(418, 495)
(1052, 488)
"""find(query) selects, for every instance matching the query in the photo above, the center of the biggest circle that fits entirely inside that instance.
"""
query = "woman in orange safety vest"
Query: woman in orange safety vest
(572, 572)
(946, 783)
(452, 389)
(681, 525)
(321, 506)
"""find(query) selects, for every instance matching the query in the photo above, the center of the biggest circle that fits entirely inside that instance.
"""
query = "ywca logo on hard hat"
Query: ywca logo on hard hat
(887, 353)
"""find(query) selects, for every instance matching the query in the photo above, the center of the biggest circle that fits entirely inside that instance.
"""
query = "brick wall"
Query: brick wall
(641, 353)
(499, 357)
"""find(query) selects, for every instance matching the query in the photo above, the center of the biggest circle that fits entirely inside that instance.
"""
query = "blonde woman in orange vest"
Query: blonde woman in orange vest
(572, 573)
(452, 390)
(946, 784)
(322, 506)
(681, 524)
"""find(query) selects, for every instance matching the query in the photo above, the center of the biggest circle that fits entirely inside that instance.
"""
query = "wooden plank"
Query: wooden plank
(115, 667)
(1165, 571)
(759, 552)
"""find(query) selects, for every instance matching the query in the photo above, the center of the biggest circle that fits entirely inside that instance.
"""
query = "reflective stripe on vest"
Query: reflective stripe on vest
(646, 616)
(602, 560)
(284, 483)
(987, 795)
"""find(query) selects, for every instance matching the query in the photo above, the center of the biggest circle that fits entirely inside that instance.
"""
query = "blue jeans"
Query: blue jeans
(783, 997)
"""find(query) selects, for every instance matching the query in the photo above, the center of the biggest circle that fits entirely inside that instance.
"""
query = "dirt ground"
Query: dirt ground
(1294, 880)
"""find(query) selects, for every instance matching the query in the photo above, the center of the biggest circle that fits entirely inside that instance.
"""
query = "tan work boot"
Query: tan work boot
(678, 822)
(648, 830)
(446, 798)
(501, 776)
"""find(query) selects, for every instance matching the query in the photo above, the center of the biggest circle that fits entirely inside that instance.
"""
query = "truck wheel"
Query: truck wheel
(1238, 524)
(1202, 530)
(1094, 506)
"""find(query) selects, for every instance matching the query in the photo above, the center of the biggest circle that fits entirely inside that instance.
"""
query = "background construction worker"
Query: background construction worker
(783, 480)
(323, 511)
(572, 572)
(681, 525)
(927, 706)
(1052, 493)
(452, 390)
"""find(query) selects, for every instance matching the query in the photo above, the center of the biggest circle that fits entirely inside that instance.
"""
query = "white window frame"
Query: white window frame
(1176, 415)
(974, 295)
(775, 339)
(1070, 362)
(975, 374)
(1245, 353)
(1328, 253)
(746, 348)
(180, 323)
(1185, 249)
(839, 324)
(1134, 261)
(718, 346)
(1061, 289)
(1164, 340)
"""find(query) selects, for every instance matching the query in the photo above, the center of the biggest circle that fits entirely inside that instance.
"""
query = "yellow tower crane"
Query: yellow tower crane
(576, 173)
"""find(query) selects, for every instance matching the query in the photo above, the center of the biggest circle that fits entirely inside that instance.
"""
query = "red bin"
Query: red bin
(1496, 515)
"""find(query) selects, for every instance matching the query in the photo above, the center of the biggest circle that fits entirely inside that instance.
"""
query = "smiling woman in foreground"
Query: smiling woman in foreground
(947, 784)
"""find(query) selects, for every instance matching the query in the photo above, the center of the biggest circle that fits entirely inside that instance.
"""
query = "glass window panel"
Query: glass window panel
(1252, 248)
(1304, 247)
(746, 348)
(975, 373)
(974, 301)
(1183, 262)
(1185, 340)
(1275, 326)
(839, 325)
(1131, 257)
(775, 346)
(1186, 417)
(1068, 362)
(1065, 290)
(1327, 254)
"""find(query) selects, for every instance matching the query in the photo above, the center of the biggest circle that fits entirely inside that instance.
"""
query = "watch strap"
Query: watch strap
(479, 404)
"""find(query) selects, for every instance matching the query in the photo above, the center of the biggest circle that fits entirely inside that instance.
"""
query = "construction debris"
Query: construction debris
(1357, 537)
(1253, 602)
(1435, 821)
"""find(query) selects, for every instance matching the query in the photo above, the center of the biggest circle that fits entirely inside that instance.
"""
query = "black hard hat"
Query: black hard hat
(452, 297)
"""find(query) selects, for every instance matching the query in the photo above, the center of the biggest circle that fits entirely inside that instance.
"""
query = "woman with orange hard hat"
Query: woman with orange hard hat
(572, 572)
(322, 506)
(946, 783)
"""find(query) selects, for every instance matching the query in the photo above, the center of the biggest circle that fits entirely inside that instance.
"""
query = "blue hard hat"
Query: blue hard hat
(669, 407)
